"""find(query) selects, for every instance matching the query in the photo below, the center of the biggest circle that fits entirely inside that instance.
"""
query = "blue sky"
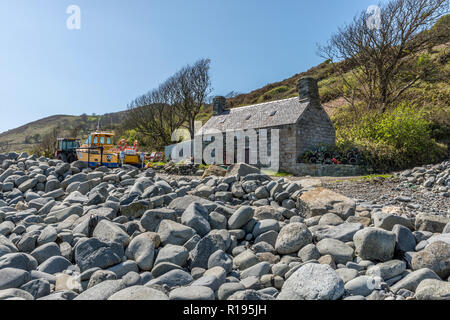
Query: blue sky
(125, 48)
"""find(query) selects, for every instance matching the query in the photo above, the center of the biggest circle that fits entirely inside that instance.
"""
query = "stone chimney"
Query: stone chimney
(219, 105)
(308, 90)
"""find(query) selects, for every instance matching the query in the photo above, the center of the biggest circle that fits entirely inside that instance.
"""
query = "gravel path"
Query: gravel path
(392, 192)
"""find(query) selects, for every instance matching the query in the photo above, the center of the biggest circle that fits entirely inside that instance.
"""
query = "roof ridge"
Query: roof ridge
(260, 115)
(261, 104)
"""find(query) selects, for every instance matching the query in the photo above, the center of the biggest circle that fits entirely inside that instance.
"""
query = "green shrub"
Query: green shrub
(273, 93)
(280, 174)
(397, 139)
(203, 117)
(329, 89)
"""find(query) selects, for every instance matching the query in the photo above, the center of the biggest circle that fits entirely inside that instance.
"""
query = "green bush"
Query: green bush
(397, 139)
(329, 89)
(273, 93)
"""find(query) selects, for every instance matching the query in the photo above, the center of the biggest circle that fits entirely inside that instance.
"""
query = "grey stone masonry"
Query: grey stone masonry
(302, 123)
(308, 90)
(219, 105)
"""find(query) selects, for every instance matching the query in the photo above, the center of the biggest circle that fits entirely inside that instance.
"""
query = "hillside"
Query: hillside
(27, 136)
(430, 95)
(327, 79)
(426, 92)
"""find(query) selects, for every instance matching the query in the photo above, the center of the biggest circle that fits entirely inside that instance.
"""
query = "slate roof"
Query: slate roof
(264, 115)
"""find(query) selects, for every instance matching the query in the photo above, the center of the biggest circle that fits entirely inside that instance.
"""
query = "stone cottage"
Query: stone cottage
(302, 122)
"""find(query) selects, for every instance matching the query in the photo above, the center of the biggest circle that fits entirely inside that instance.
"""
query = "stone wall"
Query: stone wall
(313, 129)
(327, 170)
(295, 139)
(288, 147)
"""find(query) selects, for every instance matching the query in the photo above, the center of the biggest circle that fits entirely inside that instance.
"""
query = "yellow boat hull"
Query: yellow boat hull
(95, 159)
(98, 150)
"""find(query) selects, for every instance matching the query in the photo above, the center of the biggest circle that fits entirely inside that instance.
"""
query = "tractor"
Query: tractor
(66, 149)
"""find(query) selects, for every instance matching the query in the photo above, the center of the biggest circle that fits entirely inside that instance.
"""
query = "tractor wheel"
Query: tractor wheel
(62, 157)
(71, 158)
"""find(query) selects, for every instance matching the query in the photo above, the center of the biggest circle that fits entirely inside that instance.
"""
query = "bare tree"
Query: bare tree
(192, 86)
(377, 65)
(175, 103)
(155, 115)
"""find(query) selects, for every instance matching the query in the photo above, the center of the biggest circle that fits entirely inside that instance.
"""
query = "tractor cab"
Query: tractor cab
(100, 139)
(66, 149)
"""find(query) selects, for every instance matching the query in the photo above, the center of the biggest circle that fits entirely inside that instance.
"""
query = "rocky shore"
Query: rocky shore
(72, 233)
(422, 189)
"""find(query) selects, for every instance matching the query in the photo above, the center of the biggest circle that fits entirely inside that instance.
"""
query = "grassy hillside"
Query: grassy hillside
(432, 95)
(428, 93)
(430, 98)
(413, 131)
(24, 138)
(285, 89)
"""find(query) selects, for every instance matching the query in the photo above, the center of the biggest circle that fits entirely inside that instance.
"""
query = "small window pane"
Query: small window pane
(108, 140)
(96, 140)
(102, 140)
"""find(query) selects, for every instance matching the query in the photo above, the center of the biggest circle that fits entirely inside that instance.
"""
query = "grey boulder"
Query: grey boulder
(22, 261)
(54, 265)
(173, 278)
(13, 278)
(340, 252)
(312, 282)
(432, 289)
(191, 293)
(240, 217)
(412, 280)
(142, 250)
(95, 253)
(172, 232)
(374, 244)
(292, 238)
(196, 217)
(139, 293)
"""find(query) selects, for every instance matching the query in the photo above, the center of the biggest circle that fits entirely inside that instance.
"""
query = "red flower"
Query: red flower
(335, 161)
